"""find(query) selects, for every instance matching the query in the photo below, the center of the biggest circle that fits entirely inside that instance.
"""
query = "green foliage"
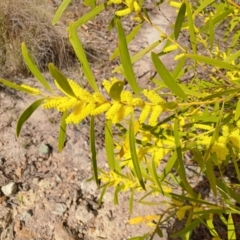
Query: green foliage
(199, 119)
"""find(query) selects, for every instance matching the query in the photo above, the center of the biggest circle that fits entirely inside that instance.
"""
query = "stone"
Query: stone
(47, 183)
(89, 187)
(9, 189)
(60, 209)
(45, 150)
(26, 215)
(83, 215)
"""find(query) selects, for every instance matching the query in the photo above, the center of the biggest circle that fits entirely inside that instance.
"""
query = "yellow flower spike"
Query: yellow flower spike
(145, 112)
(99, 98)
(170, 48)
(222, 140)
(79, 113)
(124, 12)
(113, 110)
(221, 151)
(179, 56)
(121, 114)
(116, 1)
(152, 96)
(34, 91)
(68, 105)
(181, 121)
(175, 4)
(204, 140)
(159, 154)
(225, 131)
(127, 97)
(101, 109)
(138, 102)
(143, 219)
(78, 91)
(156, 111)
(127, 111)
(234, 137)
(53, 102)
(136, 6)
(113, 80)
(107, 85)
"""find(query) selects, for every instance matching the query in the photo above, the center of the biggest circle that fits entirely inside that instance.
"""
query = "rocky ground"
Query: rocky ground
(45, 194)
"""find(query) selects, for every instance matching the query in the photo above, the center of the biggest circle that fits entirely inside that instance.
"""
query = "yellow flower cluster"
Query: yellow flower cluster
(34, 91)
(220, 147)
(131, 6)
(117, 180)
(81, 103)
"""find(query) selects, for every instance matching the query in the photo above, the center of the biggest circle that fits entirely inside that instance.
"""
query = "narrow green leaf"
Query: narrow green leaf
(129, 38)
(33, 68)
(183, 198)
(237, 111)
(217, 19)
(211, 176)
(179, 20)
(134, 153)
(15, 86)
(220, 94)
(125, 59)
(27, 114)
(223, 186)
(223, 219)
(167, 77)
(60, 11)
(93, 151)
(203, 5)
(90, 3)
(211, 33)
(102, 194)
(188, 228)
(116, 90)
(213, 62)
(180, 162)
(159, 232)
(156, 177)
(232, 57)
(191, 27)
(60, 79)
(235, 162)
(117, 191)
(89, 16)
(218, 211)
(211, 228)
(138, 55)
(62, 131)
(79, 50)
(168, 168)
(231, 228)
(179, 68)
(109, 144)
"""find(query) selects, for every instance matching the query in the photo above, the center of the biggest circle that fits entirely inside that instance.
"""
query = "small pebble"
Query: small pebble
(26, 215)
(60, 209)
(9, 189)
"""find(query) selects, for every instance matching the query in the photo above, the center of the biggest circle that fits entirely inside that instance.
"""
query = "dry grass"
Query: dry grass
(29, 21)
